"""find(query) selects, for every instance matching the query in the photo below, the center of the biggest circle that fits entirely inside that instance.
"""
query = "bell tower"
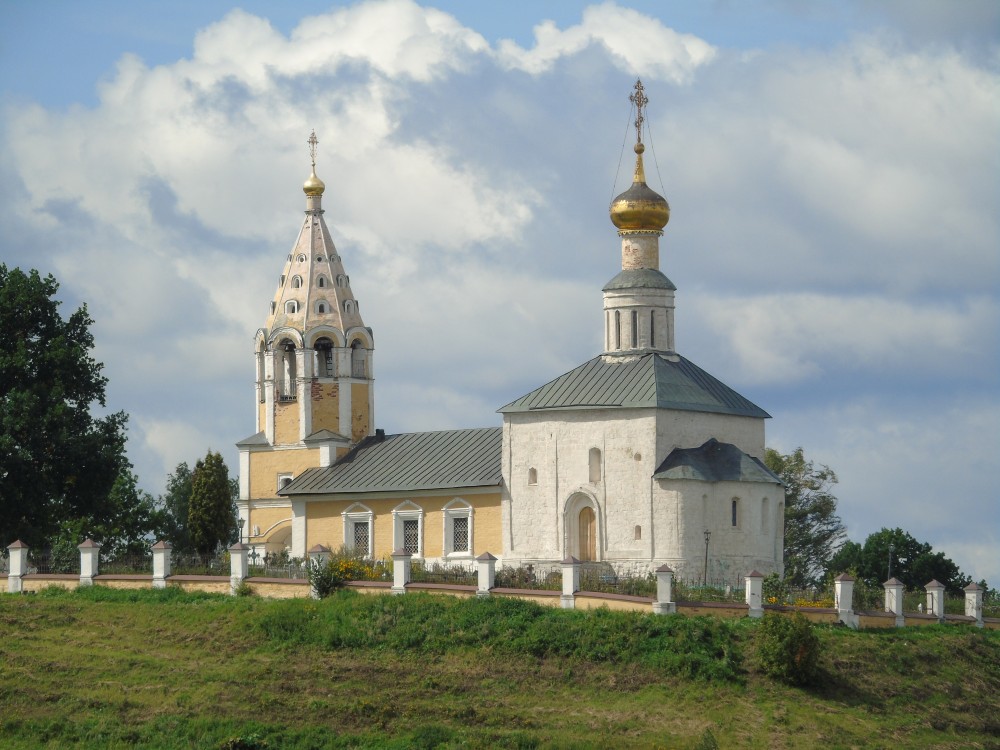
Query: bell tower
(639, 301)
(314, 364)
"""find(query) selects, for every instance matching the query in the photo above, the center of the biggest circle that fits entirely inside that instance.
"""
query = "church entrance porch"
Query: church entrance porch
(581, 522)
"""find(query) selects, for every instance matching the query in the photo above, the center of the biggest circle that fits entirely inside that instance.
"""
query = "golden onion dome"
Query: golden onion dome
(314, 185)
(640, 208)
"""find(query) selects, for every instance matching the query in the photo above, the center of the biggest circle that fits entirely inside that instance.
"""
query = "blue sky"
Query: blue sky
(831, 168)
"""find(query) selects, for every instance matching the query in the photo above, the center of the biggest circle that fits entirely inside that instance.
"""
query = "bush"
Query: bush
(344, 565)
(787, 649)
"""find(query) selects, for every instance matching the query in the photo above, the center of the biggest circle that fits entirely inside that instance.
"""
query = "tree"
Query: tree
(914, 563)
(211, 521)
(813, 530)
(174, 504)
(57, 461)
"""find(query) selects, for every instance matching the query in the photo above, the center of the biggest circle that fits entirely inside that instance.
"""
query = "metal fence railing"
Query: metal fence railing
(202, 565)
(539, 577)
(456, 574)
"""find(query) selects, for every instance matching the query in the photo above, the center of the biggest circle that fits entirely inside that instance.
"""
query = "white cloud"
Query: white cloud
(785, 338)
(636, 44)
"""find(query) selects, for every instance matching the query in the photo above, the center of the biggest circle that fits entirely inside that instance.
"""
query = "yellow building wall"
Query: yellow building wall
(265, 518)
(360, 417)
(325, 406)
(266, 465)
(286, 422)
(325, 525)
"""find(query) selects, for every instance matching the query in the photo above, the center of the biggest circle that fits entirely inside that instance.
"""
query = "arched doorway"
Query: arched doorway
(582, 527)
(587, 534)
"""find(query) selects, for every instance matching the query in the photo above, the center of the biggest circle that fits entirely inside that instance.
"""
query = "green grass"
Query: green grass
(101, 668)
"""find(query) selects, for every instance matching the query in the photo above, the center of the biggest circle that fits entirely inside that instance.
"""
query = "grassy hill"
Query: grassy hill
(102, 668)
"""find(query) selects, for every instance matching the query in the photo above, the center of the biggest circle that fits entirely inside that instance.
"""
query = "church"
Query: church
(636, 458)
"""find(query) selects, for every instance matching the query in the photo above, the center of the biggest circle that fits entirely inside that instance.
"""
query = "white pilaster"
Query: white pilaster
(298, 528)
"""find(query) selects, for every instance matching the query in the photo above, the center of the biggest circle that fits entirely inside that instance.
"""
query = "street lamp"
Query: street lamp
(241, 522)
(891, 548)
(708, 535)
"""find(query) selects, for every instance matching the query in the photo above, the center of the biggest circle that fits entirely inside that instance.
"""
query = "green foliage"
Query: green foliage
(787, 649)
(914, 563)
(341, 566)
(57, 462)
(174, 504)
(813, 530)
(211, 522)
(775, 589)
(696, 647)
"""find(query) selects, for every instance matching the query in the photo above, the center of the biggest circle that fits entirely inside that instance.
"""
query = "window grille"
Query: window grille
(411, 536)
(460, 535)
(361, 538)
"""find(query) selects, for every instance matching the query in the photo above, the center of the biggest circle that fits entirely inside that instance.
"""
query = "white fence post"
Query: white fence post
(973, 599)
(90, 558)
(843, 594)
(754, 585)
(894, 600)
(237, 565)
(161, 564)
(664, 604)
(570, 582)
(18, 552)
(935, 599)
(487, 565)
(400, 570)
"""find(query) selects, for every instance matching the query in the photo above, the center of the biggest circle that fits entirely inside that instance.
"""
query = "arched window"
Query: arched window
(635, 329)
(618, 329)
(288, 371)
(291, 307)
(322, 308)
(348, 306)
(301, 258)
(324, 357)
(595, 464)
(359, 357)
(532, 475)
(296, 282)
(321, 282)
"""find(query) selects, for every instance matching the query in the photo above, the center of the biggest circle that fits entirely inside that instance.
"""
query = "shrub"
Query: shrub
(775, 589)
(344, 565)
(787, 649)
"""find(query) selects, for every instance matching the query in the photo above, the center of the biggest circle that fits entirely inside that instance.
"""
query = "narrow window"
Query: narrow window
(274, 306)
(359, 368)
(457, 528)
(595, 464)
(618, 330)
(532, 476)
(321, 307)
(735, 506)
(652, 329)
(763, 516)
(321, 282)
(281, 280)
(296, 282)
(411, 536)
(460, 534)
(291, 307)
(362, 542)
(635, 329)
(638, 533)
(324, 357)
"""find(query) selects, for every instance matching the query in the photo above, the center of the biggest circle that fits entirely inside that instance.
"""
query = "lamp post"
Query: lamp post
(241, 522)
(891, 548)
(708, 535)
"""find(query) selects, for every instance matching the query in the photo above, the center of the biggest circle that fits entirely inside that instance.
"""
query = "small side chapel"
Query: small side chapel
(636, 458)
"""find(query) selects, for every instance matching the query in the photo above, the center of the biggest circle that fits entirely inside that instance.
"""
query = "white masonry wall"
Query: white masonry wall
(540, 518)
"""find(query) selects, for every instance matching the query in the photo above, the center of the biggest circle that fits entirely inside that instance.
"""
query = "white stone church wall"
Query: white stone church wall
(690, 429)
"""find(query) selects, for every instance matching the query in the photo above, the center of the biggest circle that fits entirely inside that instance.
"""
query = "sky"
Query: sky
(832, 170)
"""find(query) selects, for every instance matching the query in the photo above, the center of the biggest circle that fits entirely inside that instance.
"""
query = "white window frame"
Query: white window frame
(457, 508)
(407, 511)
(355, 514)
(283, 476)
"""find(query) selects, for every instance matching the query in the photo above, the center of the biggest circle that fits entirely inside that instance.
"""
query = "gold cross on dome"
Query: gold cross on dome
(640, 100)
(313, 140)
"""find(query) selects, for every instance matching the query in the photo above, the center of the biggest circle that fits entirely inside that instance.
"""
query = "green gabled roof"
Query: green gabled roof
(714, 462)
(410, 461)
(646, 380)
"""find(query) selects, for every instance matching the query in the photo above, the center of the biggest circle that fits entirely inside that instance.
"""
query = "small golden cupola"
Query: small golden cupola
(313, 186)
(640, 208)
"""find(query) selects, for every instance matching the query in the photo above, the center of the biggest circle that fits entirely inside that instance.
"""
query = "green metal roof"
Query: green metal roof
(714, 462)
(410, 461)
(257, 439)
(646, 380)
(640, 278)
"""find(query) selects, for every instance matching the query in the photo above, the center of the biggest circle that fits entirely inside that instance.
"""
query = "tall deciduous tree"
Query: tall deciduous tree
(174, 504)
(57, 461)
(913, 562)
(813, 530)
(210, 513)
